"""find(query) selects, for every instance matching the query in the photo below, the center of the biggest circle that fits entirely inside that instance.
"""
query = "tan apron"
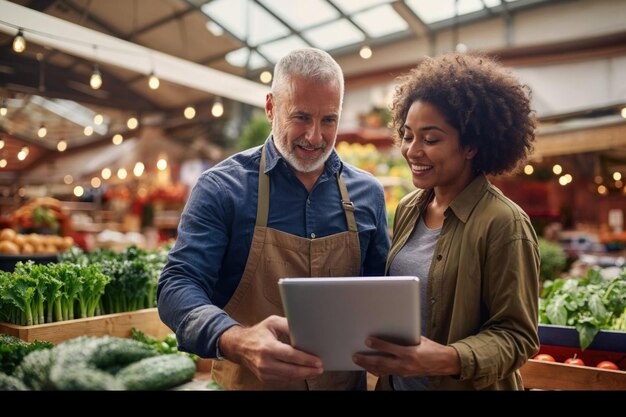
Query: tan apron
(274, 255)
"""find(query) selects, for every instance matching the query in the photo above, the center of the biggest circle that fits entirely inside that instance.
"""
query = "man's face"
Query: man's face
(305, 118)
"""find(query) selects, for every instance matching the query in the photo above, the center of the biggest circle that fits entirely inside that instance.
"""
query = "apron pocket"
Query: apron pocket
(273, 270)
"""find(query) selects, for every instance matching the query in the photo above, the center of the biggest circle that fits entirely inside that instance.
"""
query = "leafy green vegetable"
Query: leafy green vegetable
(13, 351)
(589, 304)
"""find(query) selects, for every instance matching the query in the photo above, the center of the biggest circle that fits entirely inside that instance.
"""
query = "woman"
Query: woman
(459, 118)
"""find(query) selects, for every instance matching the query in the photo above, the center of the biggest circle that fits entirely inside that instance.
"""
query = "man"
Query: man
(290, 208)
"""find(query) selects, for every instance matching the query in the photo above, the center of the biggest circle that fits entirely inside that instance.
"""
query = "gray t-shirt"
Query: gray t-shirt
(414, 259)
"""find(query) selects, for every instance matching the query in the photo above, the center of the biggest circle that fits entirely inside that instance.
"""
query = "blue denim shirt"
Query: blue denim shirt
(215, 233)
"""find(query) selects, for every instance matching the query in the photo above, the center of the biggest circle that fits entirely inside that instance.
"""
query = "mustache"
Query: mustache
(306, 144)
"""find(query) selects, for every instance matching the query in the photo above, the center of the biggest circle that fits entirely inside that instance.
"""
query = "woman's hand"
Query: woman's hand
(426, 359)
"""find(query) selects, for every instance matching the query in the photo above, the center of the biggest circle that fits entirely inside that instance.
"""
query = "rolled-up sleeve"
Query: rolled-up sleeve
(188, 281)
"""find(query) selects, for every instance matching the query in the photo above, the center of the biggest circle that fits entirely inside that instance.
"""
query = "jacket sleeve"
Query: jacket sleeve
(508, 338)
(188, 280)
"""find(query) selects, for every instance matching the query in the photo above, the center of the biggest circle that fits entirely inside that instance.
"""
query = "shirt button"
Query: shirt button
(312, 235)
(439, 257)
(308, 201)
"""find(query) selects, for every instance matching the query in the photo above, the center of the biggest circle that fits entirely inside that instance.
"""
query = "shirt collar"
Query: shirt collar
(331, 166)
(464, 203)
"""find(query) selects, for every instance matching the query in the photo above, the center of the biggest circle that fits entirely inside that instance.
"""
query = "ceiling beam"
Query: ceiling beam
(59, 82)
(79, 41)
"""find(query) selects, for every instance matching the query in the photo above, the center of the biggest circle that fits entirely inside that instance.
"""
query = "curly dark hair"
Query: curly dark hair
(487, 105)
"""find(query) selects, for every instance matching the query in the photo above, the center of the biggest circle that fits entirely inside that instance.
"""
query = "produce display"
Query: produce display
(82, 285)
(13, 243)
(13, 351)
(589, 304)
(99, 363)
(389, 167)
(45, 212)
(576, 361)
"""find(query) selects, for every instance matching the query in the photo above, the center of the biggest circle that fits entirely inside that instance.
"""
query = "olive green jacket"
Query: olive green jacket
(482, 284)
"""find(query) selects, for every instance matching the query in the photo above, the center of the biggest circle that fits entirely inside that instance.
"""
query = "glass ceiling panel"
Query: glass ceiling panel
(239, 58)
(334, 35)
(352, 6)
(237, 15)
(434, 11)
(492, 3)
(276, 50)
(302, 14)
(380, 21)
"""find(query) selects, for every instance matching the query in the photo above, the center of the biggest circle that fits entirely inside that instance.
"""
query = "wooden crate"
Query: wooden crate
(118, 325)
(559, 376)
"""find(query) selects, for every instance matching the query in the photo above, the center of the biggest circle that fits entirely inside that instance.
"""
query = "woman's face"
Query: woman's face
(433, 151)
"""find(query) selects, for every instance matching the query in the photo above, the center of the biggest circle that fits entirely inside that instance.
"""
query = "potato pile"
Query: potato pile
(12, 243)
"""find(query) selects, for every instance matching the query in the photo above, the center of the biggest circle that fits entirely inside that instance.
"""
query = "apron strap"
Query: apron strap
(263, 206)
(348, 207)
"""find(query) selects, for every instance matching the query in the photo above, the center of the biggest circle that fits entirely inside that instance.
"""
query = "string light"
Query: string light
(68, 179)
(61, 146)
(132, 123)
(19, 43)
(117, 139)
(3, 163)
(88, 130)
(153, 81)
(23, 153)
(162, 164)
(106, 173)
(121, 173)
(79, 191)
(265, 77)
(98, 119)
(138, 170)
(96, 78)
(3, 107)
(218, 108)
(189, 112)
(1, 143)
(95, 182)
(42, 132)
(365, 52)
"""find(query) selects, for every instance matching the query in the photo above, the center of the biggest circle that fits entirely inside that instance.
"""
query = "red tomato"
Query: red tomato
(544, 357)
(607, 365)
(575, 361)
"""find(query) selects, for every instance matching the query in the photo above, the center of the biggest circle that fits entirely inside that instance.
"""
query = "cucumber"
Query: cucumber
(157, 373)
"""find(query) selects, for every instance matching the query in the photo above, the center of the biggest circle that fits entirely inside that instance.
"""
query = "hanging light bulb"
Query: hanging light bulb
(3, 107)
(117, 139)
(132, 123)
(19, 43)
(189, 112)
(61, 146)
(106, 173)
(1, 143)
(42, 132)
(98, 119)
(138, 170)
(162, 164)
(218, 108)
(96, 78)
(23, 153)
(121, 173)
(265, 77)
(365, 52)
(153, 81)
(3, 163)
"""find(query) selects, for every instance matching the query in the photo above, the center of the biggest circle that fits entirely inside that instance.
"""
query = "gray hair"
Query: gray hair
(309, 63)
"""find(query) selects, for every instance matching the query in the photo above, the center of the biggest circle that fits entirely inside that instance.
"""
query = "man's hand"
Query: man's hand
(426, 359)
(260, 349)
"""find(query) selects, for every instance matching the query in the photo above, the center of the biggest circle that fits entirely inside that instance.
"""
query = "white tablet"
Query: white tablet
(332, 317)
